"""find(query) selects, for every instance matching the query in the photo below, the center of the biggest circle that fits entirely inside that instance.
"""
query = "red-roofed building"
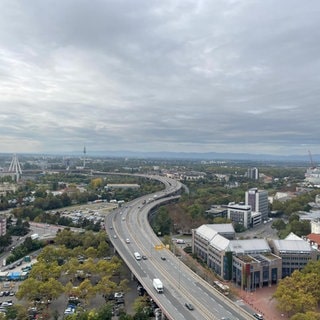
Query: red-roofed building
(314, 239)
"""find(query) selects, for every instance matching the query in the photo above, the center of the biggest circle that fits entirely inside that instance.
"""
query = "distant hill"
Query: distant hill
(204, 156)
(305, 159)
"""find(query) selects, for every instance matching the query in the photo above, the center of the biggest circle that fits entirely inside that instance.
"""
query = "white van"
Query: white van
(137, 256)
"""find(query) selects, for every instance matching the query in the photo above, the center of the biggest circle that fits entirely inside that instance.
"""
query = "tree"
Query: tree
(44, 271)
(162, 223)
(51, 289)
(105, 312)
(105, 286)
(292, 294)
(139, 304)
(86, 290)
(102, 249)
(53, 254)
(278, 224)
(310, 315)
(29, 289)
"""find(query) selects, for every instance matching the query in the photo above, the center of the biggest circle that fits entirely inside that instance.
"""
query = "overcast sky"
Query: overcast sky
(165, 75)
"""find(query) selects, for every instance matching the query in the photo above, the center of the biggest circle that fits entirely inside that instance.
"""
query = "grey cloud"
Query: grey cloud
(170, 75)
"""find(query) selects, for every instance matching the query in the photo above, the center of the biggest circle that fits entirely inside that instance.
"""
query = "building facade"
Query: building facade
(3, 225)
(239, 214)
(253, 173)
(294, 252)
(258, 201)
(251, 263)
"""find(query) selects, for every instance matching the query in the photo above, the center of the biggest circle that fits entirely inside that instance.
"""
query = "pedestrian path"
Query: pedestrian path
(261, 301)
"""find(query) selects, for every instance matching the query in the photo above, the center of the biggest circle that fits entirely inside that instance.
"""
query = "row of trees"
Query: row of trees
(294, 224)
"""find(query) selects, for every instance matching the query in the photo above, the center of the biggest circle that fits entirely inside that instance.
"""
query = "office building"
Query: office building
(258, 201)
(253, 173)
(294, 252)
(239, 214)
(249, 263)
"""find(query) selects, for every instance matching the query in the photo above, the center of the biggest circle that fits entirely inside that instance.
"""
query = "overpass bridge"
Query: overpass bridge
(181, 285)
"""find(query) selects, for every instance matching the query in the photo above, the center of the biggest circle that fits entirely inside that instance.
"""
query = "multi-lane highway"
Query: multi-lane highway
(130, 232)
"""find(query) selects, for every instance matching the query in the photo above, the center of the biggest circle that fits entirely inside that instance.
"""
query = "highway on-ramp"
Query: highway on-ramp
(130, 232)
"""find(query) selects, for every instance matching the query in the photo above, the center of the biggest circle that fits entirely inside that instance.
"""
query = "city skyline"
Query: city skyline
(174, 76)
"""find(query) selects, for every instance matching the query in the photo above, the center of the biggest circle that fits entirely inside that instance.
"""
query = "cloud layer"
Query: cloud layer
(206, 75)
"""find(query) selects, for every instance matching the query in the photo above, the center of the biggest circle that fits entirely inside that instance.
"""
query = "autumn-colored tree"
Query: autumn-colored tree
(310, 315)
(140, 303)
(105, 286)
(295, 295)
(42, 271)
(29, 289)
(102, 249)
(96, 183)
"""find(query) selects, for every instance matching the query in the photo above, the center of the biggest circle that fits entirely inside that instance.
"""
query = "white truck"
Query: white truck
(157, 284)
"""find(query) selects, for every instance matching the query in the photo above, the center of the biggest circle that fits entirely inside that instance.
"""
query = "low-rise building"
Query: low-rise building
(251, 263)
(217, 211)
(294, 252)
(314, 240)
(239, 214)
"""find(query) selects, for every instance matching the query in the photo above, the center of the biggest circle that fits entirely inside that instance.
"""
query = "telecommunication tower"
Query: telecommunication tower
(84, 157)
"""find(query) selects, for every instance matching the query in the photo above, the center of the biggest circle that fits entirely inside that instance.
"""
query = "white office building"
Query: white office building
(258, 201)
(239, 214)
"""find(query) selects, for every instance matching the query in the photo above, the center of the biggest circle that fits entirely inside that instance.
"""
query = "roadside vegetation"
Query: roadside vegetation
(299, 295)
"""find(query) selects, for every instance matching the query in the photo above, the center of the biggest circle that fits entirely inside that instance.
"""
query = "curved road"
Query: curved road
(181, 285)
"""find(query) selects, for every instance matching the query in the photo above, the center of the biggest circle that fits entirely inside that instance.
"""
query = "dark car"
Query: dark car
(189, 306)
(144, 258)
(163, 258)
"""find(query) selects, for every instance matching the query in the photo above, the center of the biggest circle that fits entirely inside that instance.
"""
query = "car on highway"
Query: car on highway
(163, 258)
(114, 236)
(189, 306)
(127, 240)
(144, 258)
